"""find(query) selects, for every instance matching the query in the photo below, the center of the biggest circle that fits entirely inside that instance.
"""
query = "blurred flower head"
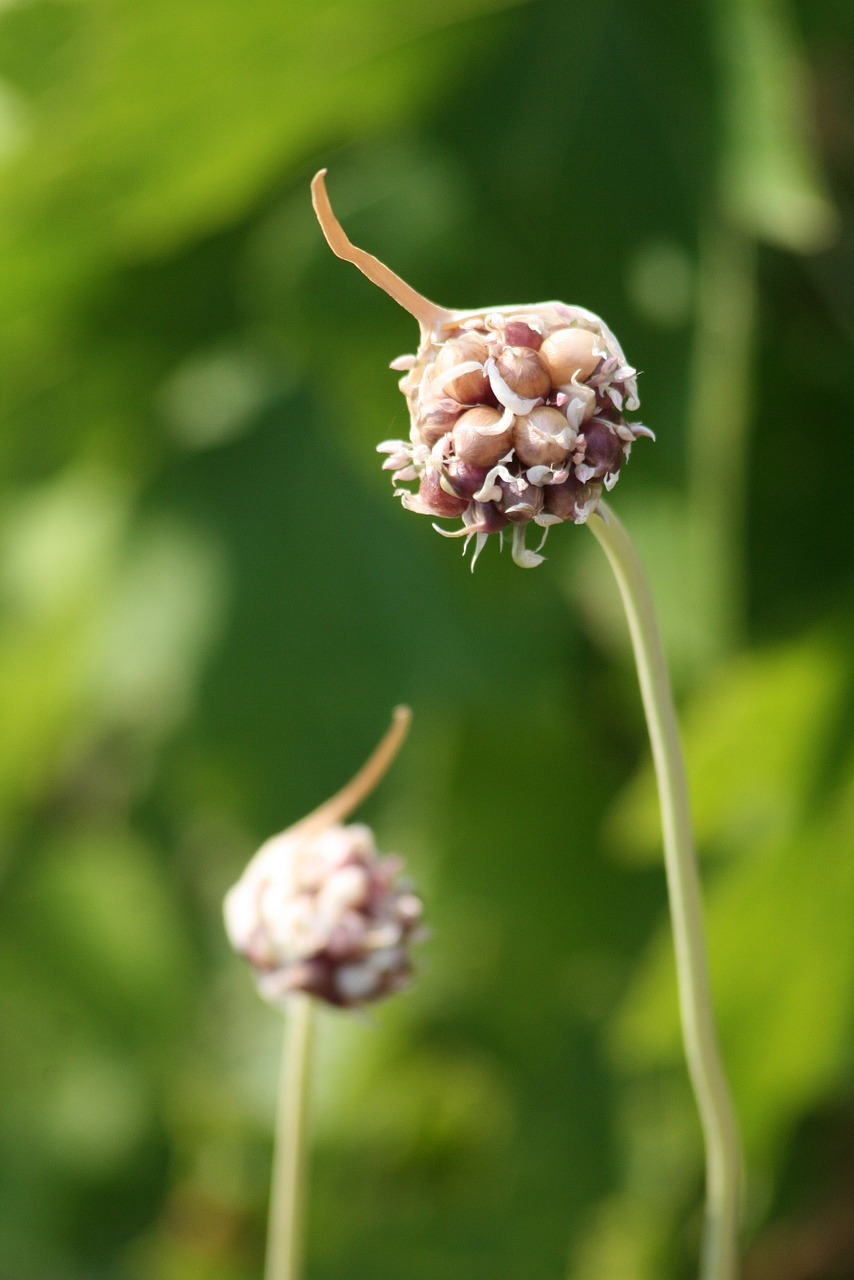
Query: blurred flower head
(517, 413)
(319, 910)
(326, 915)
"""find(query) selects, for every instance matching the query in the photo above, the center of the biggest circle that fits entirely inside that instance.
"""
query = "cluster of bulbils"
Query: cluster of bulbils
(517, 412)
(326, 915)
(517, 418)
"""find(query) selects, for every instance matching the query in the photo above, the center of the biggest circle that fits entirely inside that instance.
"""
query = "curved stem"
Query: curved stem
(427, 313)
(723, 1159)
(284, 1231)
(362, 783)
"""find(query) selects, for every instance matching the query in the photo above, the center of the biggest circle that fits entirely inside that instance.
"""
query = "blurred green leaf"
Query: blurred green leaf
(100, 630)
(210, 602)
(107, 920)
(773, 185)
(754, 741)
(179, 118)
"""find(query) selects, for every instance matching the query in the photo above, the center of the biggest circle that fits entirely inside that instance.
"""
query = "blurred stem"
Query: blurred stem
(284, 1233)
(719, 416)
(723, 1159)
(360, 786)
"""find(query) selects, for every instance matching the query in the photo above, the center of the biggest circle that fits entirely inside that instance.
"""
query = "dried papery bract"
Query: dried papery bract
(425, 312)
(506, 403)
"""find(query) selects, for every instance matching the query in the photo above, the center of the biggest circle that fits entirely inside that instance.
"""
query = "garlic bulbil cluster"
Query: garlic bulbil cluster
(517, 418)
(326, 915)
(517, 413)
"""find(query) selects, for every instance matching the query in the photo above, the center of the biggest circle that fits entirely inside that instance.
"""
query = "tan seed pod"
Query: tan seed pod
(572, 500)
(463, 479)
(470, 386)
(475, 440)
(569, 353)
(542, 437)
(433, 497)
(434, 424)
(523, 371)
(520, 501)
(518, 333)
(604, 451)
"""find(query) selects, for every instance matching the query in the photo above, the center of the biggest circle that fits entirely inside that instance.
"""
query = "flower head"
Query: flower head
(517, 413)
(326, 915)
(319, 910)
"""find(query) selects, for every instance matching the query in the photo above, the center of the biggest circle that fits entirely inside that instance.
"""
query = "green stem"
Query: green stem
(284, 1233)
(723, 1160)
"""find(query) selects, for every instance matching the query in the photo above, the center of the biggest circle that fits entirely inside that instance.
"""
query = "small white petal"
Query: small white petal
(386, 959)
(241, 914)
(356, 981)
(392, 446)
(409, 907)
(504, 422)
(524, 558)
(386, 934)
(480, 541)
(542, 541)
(456, 371)
(452, 533)
(489, 490)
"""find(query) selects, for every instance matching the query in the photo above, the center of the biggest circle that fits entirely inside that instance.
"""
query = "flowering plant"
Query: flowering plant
(517, 413)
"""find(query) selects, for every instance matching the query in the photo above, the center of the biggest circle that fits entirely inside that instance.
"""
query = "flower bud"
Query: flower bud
(490, 517)
(604, 451)
(543, 437)
(319, 911)
(480, 437)
(572, 500)
(326, 915)
(435, 500)
(520, 333)
(437, 422)
(523, 371)
(571, 355)
(464, 478)
(520, 500)
(470, 385)
(531, 378)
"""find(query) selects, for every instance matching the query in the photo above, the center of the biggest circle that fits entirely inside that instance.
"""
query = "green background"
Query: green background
(211, 602)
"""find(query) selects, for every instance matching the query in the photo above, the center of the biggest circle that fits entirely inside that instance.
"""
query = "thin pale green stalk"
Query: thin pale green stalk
(284, 1232)
(723, 1157)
